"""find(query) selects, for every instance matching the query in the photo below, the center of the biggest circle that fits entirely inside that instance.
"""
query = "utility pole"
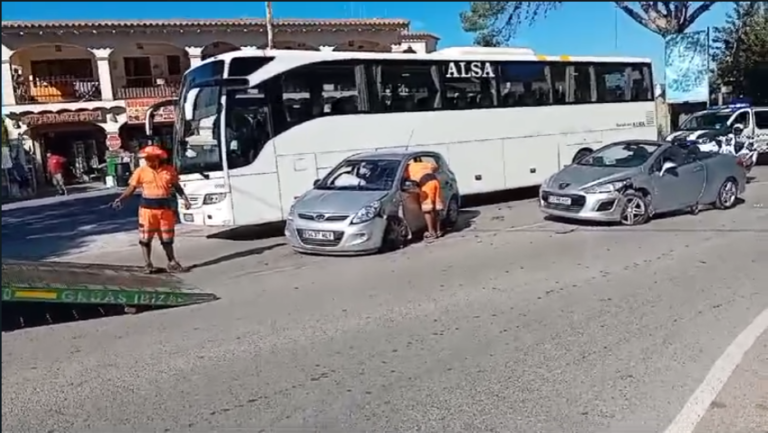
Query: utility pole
(270, 31)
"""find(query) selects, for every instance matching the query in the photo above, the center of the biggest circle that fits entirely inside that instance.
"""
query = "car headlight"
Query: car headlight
(291, 212)
(214, 198)
(605, 188)
(367, 213)
(704, 140)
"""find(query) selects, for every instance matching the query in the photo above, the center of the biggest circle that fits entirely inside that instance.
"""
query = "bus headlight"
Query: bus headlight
(367, 213)
(214, 198)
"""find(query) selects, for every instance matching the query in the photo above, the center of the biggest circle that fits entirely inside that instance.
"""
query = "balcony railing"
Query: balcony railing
(36, 90)
(149, 88)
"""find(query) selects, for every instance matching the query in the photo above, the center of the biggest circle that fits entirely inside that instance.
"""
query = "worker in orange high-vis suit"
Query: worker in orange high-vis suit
(157, 181)
(430, 195)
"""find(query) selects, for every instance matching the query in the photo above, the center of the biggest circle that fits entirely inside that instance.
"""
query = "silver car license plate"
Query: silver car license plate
(324, 236)
(556, 199)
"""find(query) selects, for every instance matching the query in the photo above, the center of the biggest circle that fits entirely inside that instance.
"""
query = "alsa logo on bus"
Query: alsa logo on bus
(470, 70)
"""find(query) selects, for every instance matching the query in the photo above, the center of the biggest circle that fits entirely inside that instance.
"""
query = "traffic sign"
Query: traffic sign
(113, 142)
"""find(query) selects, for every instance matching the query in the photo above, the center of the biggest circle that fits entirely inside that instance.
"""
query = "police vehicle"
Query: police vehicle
(716, 122)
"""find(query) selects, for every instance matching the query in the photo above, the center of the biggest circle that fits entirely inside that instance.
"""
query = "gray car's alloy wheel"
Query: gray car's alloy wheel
(635, 210)
(395, 235)
(727, 194)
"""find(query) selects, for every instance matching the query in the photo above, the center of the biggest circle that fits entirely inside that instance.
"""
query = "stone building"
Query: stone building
(79, 87)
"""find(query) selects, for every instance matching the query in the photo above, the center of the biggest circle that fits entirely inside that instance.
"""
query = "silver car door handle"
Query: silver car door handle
(698, 169)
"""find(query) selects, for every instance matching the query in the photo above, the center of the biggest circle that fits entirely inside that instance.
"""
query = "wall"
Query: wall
(24, 57)
(156, 52)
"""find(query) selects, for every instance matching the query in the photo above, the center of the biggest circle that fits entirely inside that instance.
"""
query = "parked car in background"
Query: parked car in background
(714, 123)
(630, 181)
(366, 205)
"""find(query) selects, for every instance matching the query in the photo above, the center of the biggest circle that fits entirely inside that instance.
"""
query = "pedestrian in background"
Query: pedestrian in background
(56, 165)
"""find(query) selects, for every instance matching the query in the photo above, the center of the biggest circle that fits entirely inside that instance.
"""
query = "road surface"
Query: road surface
(513, 325)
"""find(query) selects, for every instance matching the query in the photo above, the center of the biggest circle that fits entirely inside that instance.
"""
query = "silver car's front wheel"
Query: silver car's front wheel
(635, 210)
(727, 195)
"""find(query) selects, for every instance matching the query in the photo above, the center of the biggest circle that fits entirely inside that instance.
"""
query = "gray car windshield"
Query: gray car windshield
(362, 175)
(621, 155)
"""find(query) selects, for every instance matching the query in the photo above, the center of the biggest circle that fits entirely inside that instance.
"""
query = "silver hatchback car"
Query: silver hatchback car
(366, 205)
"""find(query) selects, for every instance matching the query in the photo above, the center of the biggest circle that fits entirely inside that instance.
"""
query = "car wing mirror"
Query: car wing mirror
(315, 182)
(410, 185)
(667, 167)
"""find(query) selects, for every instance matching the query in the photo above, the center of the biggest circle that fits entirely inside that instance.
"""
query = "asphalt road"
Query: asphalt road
(513, 325)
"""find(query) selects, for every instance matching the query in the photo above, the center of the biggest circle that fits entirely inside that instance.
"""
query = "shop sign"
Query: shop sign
(66, 117)
(137, 110)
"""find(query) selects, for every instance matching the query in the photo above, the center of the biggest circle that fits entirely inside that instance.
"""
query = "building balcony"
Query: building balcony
(56, 89)
(149, 88)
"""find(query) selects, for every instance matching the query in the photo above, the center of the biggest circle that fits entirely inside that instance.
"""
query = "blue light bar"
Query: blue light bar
(730, 107)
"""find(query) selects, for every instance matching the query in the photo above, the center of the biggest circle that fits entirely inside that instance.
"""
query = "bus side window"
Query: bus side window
(579, 84)
(463, 93)
(613, 83)
(558, 82)
(524, 84)
(324, 89)
(406, 86)
(640, 83)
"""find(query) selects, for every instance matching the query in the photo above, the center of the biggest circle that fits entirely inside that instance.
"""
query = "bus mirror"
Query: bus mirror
(150, 114)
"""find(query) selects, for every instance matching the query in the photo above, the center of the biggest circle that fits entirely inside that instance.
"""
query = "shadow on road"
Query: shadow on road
(51, 228)
(237, 255)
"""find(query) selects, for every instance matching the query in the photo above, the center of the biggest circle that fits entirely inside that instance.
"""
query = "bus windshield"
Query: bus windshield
(245, 120)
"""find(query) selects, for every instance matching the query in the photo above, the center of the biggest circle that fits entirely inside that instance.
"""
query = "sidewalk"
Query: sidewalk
(742, 405)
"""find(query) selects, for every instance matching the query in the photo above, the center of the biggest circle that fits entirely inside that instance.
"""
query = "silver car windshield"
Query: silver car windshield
(362, 175)
(621, 155)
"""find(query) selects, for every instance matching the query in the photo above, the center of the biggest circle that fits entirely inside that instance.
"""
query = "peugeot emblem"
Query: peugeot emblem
(319, 217)
(564, 185)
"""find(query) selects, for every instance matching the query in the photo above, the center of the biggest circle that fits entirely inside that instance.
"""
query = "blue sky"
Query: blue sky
(603, 32)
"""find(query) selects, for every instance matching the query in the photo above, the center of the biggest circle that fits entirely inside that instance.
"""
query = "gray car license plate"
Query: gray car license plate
(556, 199)
(318, 235)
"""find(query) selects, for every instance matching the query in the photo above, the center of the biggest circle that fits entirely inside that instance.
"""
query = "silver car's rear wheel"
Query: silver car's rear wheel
(635, 210)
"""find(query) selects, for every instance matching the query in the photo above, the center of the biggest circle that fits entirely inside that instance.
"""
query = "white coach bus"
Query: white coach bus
(254, 129)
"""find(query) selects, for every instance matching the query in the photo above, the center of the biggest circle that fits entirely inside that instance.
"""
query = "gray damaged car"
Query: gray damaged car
(630, 181)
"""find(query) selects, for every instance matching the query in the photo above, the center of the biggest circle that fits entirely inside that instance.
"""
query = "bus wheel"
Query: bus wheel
(395, 235)
(581, 154)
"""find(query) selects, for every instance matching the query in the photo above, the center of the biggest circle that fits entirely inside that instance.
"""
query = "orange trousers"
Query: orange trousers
(160, 222)
(431, 196)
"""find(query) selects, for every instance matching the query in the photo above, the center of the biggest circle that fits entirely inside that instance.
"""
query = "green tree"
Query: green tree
(740, 50)
(495, 23)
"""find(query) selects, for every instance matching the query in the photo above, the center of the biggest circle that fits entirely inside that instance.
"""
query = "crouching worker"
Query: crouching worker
(158, 182)
(430, 195)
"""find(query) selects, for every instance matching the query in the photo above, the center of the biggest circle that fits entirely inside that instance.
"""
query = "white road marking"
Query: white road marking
(705, 394)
